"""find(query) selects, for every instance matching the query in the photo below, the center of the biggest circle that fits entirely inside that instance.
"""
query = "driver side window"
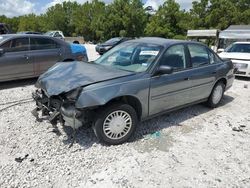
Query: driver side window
(174, 57)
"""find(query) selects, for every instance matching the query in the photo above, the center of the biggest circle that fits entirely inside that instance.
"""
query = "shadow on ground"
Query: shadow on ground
(86, 137)
(17, 83)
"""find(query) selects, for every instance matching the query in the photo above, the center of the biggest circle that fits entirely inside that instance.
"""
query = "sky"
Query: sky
(12, 8)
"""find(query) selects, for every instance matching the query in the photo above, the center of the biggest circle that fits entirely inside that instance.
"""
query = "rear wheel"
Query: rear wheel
(115, 124)
(216, 95)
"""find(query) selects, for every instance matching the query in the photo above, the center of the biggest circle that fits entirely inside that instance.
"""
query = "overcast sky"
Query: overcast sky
(12, 8)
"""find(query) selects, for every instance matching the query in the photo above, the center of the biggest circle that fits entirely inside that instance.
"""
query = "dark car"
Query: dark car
(111, 43)
(132, 82)
(26, 56)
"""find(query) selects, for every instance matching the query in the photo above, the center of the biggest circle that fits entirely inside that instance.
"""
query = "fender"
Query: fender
(100, 94)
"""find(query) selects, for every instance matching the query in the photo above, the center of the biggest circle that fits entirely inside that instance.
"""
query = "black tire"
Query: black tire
(212, 102)
(103, 113)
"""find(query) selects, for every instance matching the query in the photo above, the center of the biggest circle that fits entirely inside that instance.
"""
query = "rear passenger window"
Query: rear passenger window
(199, 55)
(42, 44)
(16, 45)
(174, 57)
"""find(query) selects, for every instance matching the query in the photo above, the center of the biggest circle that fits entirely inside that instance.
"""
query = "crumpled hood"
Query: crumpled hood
(233, 55)
(66, 76)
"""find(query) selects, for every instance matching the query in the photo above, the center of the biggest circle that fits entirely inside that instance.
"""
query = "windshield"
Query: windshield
(241, 48)
(113, 40)
(133, 57)
(49, 33)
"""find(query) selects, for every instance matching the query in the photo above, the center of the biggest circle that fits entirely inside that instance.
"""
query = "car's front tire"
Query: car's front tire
(115, 124)
(216, 95)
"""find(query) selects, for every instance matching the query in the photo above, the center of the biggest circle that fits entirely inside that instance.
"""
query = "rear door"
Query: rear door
(15, 62)
(45, 53)
(204, 71)
(171, 90)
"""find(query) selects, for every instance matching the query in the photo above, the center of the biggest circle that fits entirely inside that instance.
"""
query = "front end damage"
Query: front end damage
(60, 109)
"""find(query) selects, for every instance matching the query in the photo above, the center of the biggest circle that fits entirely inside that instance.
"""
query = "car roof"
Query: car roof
(8, 36)
(163, 41)
(13, 36)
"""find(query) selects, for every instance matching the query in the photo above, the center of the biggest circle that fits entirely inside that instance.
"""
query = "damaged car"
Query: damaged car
(134, 81)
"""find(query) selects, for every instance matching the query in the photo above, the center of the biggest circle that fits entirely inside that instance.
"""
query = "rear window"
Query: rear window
(42, 44)
(199, 55)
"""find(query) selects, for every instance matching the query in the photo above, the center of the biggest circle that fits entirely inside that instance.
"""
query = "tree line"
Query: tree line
(97, 21)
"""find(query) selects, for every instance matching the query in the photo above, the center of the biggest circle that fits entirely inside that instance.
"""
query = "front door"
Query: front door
(15, 61)
(171, 90)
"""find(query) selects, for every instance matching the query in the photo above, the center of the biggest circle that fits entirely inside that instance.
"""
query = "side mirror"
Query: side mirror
(163, 69)
(220, 50)
(1, 51)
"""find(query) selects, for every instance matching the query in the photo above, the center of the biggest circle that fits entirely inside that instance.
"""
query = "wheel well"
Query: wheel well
(223, 80)
(68, 60)
(130, 100)
(76, 42)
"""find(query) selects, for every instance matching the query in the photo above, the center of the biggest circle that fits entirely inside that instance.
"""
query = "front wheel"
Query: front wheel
(115, 124)
(216, 95)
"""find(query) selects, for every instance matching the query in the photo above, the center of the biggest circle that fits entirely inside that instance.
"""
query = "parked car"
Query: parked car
(56, 34)
(29, 32)
(239, 53)
(111, 43)
(25, 56)
(4, 29)
(134, 81)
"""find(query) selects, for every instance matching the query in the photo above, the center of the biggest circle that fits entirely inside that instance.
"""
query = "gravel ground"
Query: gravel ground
(192, 147)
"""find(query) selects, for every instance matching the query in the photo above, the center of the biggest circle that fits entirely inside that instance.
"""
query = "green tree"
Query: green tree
(167, 22)
(222, 13)
(29, 22)
(125, 18)
(89, 20)
(60, 17)
(199, 12)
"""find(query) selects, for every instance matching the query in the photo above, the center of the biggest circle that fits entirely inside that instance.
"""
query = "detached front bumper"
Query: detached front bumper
(57, 110)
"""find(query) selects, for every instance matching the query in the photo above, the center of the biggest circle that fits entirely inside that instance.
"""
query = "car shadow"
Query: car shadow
(85, 136)
(17, 83)
(175, 118)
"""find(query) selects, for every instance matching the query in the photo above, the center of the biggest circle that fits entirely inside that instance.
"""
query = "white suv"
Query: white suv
(239, 53)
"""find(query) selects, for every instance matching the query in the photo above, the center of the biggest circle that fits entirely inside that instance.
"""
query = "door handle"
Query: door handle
(214, 72)
(187, 78)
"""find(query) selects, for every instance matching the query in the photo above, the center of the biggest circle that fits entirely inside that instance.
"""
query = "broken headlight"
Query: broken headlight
(73, 95)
